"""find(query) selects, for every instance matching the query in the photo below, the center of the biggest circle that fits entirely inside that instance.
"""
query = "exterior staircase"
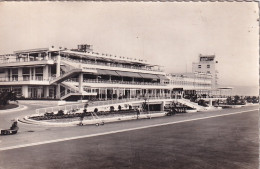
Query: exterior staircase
(192, 104)
(69, 72)
(66, 75)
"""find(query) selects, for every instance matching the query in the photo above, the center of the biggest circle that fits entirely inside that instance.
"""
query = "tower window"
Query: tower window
(199, 66)
(208, 66)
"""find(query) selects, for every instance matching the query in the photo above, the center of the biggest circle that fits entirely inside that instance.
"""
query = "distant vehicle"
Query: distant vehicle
(13, 129)
(171, 112)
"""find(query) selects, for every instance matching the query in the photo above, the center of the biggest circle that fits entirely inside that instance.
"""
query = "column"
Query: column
(47, 56)
(30, 75)
(25, 91)
(46, 91)
(46, 72)
(20, 74)
(58, 91)
(34, 73)
(210, 102)
(106, 93)
(162, 106)
(11, 74)
(81, 82)
(58, 66)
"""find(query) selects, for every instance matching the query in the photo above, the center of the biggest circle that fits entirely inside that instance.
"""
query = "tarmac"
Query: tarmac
(225, 138)
(211, 140)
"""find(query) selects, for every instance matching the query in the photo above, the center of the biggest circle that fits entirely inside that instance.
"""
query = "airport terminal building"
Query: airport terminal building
(81, 73)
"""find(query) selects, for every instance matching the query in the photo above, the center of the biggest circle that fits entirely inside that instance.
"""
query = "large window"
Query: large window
(35, 92)
(15, 74)
(39, 73)
(26, 74)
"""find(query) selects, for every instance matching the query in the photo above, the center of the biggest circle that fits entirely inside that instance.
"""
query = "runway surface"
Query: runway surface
(204, 140)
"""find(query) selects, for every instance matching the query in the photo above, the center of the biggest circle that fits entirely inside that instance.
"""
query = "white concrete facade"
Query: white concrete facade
(57, 73)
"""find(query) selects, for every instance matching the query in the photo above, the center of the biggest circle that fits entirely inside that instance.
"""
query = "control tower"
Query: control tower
(207, 65)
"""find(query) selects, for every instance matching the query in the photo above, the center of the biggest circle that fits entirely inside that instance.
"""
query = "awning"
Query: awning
(129, 74)
(162, 77)
(177, 89)
(107, 72)
(148, 76)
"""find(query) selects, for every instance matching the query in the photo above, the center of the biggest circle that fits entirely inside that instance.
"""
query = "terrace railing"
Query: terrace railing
(116, 82)
(23, 78)
(110, 64)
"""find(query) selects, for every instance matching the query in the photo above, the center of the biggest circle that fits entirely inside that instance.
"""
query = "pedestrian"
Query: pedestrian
(81, 118)
(137, 113)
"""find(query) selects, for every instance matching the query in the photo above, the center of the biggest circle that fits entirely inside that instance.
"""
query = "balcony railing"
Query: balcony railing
(115, 82)
(110, 64)
(22, 78)
(20, 60)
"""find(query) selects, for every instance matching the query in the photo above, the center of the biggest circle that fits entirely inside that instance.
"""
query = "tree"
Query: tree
(95, 110)
(236, 99)
(119, 107)
(112, 108)
(60, 113)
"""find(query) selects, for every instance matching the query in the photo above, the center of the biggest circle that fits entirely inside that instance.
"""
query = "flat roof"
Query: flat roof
(107, 57)
(31, 50)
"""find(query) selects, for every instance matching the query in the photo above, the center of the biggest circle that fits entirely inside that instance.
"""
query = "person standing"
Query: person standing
(137, 113)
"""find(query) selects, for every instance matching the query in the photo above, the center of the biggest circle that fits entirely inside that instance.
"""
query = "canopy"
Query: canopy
(107, 72)
(129, 74)
(162, 77)
(148, 76)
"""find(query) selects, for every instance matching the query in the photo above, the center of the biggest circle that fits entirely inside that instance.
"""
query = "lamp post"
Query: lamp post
(147, 99)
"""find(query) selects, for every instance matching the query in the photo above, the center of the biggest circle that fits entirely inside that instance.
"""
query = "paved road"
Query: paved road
(220, 142)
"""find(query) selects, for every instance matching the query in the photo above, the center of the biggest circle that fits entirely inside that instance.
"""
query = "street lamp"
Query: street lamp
(147, 99)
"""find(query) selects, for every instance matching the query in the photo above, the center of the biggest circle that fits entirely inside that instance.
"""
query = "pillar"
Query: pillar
(47, 56)
(11, 74)
(20, 74)
(58, 91)
(58, 66)
(25, 91)
(162, 106)
(34, 73)
(106, 93)
(46, 91)
(30, 74)
(46, 72)
(210, 102)
(81, 82)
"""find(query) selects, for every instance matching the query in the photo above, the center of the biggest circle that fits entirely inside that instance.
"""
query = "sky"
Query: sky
(171, 34)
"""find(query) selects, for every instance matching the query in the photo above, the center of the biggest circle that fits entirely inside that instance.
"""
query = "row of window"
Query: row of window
(199, 66)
